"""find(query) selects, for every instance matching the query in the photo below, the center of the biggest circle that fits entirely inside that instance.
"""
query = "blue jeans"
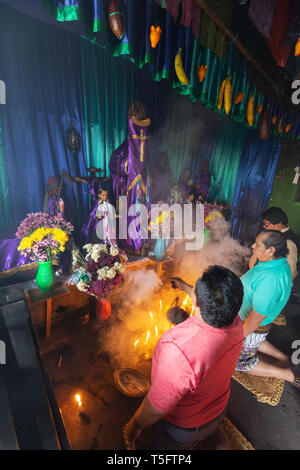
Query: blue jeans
(166, 436)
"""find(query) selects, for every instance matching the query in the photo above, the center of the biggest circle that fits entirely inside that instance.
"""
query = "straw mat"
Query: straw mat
(266, 389)
(280, 320)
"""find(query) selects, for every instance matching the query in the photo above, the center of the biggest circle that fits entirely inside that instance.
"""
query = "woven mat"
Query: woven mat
(266, 389)
(236, 438)
(280, 320)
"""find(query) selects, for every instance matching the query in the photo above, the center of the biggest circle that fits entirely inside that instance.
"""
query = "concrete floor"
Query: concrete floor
(86, 369)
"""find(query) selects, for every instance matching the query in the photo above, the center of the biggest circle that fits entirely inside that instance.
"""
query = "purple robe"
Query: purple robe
(202, 183)
(53, 207)
(130, 162)
(94, 185)
(89, 228)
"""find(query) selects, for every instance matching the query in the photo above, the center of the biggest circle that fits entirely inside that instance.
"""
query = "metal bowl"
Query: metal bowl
(131, 382)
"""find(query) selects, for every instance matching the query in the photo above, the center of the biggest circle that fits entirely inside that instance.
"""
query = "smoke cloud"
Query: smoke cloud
(139, 312)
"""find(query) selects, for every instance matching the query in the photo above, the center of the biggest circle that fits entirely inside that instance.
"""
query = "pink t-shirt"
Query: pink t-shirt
(191, 370)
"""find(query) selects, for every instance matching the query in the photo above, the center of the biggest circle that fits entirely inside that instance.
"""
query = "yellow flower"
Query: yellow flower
(25, 243)
(40, 233)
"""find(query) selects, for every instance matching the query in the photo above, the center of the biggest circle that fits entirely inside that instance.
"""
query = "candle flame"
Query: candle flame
(147, 337)
(78, 399)
(156, 330)
(136, 343)
(185, 301)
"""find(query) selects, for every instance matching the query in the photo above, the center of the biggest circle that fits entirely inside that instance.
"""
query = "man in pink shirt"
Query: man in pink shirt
(192, 366)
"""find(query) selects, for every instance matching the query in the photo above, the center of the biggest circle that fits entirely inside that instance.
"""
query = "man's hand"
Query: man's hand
(133, 432)
(178, 283)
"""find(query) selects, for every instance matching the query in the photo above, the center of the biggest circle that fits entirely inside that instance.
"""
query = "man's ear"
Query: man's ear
(272, 250)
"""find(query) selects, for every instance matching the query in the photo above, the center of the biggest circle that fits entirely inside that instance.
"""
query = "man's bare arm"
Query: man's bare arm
(178, 283)
(252, 323)
(144, 417)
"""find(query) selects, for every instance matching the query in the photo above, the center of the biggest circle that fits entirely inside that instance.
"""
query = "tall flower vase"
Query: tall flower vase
(103, 308)
(45, 278)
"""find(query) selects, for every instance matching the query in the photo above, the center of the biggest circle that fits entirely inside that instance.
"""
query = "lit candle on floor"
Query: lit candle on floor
(78, 399)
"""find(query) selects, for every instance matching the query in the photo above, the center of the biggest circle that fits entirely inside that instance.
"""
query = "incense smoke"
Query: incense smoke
(143, 292)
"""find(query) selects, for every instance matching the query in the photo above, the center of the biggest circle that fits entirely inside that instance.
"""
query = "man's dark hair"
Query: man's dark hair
(278, 241)
(275, 215)
(219, 293)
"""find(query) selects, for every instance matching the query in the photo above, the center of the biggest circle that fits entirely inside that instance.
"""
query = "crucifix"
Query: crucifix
(93, 181)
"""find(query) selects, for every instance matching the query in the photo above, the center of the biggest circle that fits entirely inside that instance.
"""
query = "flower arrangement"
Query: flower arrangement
(99, 271)
(43, 236)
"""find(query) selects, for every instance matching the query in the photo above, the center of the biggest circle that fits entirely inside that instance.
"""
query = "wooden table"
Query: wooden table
(36, 295)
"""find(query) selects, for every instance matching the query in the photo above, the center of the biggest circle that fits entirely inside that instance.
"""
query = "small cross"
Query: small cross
(142, 138)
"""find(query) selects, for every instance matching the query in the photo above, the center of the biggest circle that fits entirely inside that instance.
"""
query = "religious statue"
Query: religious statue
(106, 215)
(185, 183)
(161, 178)
(128, 169)
(176, 196)
(202, 180)
(53, 203)
(93, 181)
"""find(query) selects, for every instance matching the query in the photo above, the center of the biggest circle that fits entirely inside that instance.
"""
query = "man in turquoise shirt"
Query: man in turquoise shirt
(267, 287)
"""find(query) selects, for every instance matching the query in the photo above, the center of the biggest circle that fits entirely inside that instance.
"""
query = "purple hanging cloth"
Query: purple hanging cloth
(11, 260)
(261, 13)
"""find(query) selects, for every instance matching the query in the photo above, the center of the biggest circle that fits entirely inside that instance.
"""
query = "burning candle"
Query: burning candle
(147, 337)
(78, 399)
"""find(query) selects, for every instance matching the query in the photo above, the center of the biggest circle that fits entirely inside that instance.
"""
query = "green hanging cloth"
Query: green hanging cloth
(225, 160)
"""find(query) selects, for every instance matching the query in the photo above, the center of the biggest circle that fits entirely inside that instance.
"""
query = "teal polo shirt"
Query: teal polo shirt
(267, 287)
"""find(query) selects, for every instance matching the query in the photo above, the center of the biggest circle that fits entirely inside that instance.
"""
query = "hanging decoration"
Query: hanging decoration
(227, 95)
(224, 83)
(274, 120)
(264, 124)
(239, 97)
(201, 72)
(259, 108)
(116, 18)
(250, 111)
(287, 128)
(154, 36)
(221, 94)
(179, 68)
(280, 130)
(297, 48)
